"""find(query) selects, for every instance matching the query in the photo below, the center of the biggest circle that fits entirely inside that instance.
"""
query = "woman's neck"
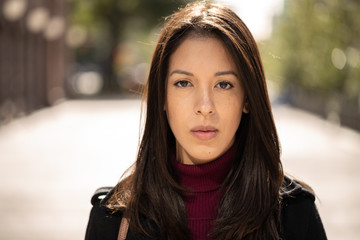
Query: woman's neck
(206, 176)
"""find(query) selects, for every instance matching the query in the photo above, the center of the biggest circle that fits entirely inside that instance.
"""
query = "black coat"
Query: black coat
(299, 217)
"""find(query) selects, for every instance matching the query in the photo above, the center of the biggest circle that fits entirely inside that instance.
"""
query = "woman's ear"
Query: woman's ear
(246, 107)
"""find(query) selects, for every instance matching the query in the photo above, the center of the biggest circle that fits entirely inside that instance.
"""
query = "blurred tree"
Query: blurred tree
(314, 56)
(316, 46)
(111, 22)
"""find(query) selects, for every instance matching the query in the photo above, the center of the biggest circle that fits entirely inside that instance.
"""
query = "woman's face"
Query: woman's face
(204, 99)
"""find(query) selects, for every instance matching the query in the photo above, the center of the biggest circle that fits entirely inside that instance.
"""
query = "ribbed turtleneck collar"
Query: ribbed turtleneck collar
(204, 177)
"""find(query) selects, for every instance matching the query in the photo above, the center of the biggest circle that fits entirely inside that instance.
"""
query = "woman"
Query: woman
(208, 166)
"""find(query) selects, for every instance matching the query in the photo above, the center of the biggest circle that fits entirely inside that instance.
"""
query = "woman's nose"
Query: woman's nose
(204, 104)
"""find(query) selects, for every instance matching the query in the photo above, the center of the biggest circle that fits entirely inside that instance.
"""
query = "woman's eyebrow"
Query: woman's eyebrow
(191, 74)
(225, 73)
(181, 72)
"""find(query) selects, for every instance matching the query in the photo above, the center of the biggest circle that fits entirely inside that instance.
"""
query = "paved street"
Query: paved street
(52, 161)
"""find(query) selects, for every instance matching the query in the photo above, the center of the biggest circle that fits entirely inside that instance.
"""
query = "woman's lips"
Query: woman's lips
(204, 132)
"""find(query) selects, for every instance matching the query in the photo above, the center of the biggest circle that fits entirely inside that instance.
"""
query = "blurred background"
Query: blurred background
(71, 76)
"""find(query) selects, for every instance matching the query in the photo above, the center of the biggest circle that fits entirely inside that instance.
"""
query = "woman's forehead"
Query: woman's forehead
(202, 52)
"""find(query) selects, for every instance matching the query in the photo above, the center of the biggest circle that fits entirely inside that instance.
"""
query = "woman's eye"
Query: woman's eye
(182, 84)
(224, 85)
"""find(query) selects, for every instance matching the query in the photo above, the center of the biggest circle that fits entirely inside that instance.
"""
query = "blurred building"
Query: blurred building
(32, 55)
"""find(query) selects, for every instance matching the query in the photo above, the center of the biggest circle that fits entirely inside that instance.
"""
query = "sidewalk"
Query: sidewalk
(326, 157)
(52, 161)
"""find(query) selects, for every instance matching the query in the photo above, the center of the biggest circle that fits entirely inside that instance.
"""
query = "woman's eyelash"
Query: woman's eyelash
(225, 85)
(182, 83)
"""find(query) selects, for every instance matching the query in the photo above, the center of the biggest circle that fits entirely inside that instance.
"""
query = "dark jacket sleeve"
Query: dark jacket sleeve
(300, 217)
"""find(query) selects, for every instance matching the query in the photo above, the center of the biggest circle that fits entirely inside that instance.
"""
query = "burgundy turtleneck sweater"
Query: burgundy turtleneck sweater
(204, 182)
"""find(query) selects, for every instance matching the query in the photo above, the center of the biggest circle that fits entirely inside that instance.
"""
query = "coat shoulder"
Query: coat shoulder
(103, 223)
(100, 194)
(292, 189)
(299, 215)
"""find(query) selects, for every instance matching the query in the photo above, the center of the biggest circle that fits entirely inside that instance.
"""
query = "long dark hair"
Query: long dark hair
(249, 208)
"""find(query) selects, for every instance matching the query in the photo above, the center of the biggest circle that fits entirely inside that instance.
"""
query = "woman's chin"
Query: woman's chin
(203, 156)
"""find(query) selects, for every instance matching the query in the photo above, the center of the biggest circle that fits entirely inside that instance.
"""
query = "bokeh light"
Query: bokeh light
(14, 9)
